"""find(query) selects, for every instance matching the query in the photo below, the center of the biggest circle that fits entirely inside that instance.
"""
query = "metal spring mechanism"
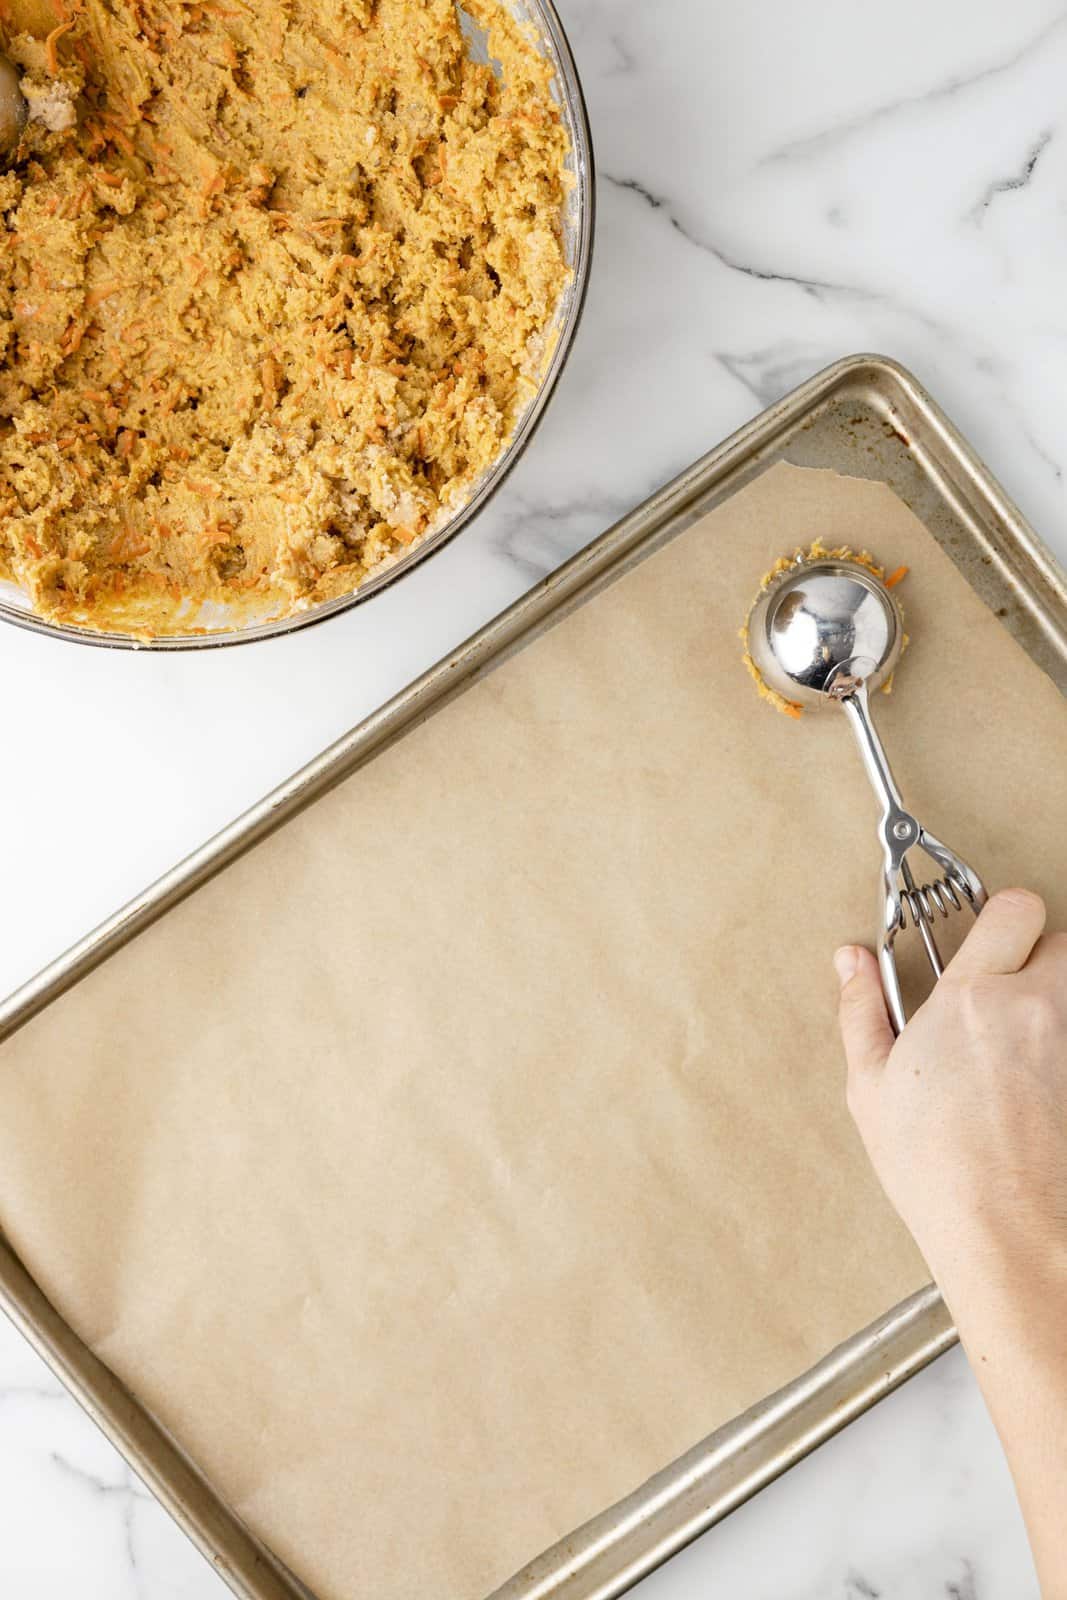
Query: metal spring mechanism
(959, 886)
(942, 895)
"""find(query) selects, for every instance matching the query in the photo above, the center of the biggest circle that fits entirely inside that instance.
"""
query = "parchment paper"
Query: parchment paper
(477, 1144)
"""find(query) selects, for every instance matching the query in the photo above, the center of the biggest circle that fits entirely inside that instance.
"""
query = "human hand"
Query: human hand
(965, 1115)
(965, 1120)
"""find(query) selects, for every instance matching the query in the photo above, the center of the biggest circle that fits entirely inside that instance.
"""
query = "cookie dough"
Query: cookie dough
(278, 278)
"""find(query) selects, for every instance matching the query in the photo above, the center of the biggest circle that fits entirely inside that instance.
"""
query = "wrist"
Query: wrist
(1004, 1273)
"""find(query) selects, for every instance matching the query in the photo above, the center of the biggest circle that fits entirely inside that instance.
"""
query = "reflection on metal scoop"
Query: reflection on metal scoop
(828, 632)
(13, 108)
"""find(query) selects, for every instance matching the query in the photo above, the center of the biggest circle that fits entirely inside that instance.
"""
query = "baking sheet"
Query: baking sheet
(494, 1255)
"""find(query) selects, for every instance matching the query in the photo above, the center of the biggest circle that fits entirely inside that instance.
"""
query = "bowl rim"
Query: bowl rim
(574, 103)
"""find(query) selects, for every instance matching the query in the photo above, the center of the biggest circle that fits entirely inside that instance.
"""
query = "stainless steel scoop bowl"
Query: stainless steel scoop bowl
(826, 633)
(823, 628)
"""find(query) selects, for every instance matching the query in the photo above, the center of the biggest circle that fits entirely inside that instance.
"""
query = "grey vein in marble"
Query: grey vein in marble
(1018, 180)
(813, 143)
(526, 539)
(966, 1589)
(858, 1588)
(656, 202)
(129, 1487)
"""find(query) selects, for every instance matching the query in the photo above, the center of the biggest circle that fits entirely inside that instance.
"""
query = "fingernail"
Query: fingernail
(845, 964)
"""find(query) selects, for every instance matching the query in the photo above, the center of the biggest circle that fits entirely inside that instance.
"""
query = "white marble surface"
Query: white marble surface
(781, 184)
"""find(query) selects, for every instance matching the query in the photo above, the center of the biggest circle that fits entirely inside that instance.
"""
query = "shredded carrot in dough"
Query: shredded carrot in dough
(51, 55)
(296, 263)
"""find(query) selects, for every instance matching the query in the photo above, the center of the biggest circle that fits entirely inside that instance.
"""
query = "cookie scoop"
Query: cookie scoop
(825, 633)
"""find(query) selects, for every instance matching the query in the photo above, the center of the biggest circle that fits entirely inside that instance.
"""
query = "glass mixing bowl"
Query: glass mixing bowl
(551, 40)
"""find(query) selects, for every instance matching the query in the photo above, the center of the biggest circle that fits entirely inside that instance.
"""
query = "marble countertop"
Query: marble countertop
(780, 185)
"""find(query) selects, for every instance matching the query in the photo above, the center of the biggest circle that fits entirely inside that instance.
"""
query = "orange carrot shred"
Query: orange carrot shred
(50, 45)
(895, 577)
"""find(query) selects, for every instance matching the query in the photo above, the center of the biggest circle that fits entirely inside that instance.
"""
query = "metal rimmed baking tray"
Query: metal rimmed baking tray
(542, 23)
(864, 417)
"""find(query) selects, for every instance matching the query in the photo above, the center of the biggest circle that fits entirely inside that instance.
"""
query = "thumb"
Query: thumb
(866, 1031)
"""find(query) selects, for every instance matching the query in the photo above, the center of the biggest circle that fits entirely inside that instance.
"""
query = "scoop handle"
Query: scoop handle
(899, 829)
(899, 832)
